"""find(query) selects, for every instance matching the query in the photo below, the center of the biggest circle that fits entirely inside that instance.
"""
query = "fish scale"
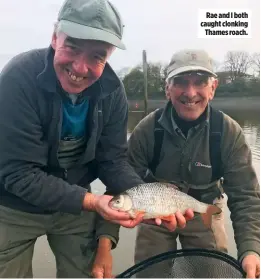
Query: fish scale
(161, 200)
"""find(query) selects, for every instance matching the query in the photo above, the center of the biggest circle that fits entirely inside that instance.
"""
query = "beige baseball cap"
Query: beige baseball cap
(189, 60)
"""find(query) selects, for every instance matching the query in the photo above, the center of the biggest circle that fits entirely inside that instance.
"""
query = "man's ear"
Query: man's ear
(213, 88)
(54, 40)
(167, 90)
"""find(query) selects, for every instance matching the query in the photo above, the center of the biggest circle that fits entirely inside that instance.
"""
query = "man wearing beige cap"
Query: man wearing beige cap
(63, 122)
(204, 152)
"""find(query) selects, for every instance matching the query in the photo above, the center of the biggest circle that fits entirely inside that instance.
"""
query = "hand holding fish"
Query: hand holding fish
(177, 220)
(100, 204)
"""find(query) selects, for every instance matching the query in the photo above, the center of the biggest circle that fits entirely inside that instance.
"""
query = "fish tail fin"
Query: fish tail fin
(207, 217)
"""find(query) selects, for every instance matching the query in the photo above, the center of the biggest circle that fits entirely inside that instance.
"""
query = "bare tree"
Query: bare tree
(256, 62)
(217, 66)
(237, 63)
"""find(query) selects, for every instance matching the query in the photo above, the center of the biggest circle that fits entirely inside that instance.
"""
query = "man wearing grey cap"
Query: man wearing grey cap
(63, 122)
(204, 152)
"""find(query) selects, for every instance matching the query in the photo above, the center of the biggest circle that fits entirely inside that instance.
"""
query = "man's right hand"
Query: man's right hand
(100, 204)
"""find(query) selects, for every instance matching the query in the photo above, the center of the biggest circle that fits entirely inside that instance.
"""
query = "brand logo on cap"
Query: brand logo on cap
(193, 56)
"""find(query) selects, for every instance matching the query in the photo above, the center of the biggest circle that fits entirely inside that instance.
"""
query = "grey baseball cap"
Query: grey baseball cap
(91, 20)
(189, 60)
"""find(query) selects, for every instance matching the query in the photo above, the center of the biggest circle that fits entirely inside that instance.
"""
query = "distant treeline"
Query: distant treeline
(234, 77)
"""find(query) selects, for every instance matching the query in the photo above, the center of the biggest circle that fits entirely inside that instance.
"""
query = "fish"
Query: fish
(161, 200)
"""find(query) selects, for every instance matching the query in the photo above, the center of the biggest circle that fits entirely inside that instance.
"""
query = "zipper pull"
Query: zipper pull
(65, 174)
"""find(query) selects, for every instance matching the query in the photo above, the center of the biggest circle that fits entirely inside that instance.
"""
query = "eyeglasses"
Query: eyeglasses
(200, 81)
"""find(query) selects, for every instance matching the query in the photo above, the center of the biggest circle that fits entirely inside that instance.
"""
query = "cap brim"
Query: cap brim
(187, 69)
(79, 31)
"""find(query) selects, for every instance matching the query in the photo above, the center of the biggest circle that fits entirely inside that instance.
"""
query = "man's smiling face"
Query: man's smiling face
(190, 94)
(79, 63)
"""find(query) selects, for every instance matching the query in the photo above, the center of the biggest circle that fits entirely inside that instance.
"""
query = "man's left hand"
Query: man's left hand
(102, 267)
(177, 220)
(251, 265)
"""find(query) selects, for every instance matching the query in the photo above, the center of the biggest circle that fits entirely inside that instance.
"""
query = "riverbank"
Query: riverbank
(222, 103)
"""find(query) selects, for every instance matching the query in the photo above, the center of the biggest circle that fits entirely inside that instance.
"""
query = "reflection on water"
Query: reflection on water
(250, 123)
(248, 120)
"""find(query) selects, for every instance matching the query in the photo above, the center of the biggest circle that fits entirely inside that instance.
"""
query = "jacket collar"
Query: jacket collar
(106, 84)
(167, 120)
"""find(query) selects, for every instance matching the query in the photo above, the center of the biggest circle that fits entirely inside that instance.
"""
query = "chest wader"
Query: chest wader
(214, 189)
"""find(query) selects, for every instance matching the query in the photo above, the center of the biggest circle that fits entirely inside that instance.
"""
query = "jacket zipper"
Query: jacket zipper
(65, 171)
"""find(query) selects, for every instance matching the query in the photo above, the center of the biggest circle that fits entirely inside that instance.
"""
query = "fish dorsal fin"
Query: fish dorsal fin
(164, 181)
(171, 185)
(161, 180)
(167, 183)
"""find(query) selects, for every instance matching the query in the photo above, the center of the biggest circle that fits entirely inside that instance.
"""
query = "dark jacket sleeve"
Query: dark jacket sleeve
(107, 229)
(23, 153)
(141, 146)
(242, 188)
(114, 169)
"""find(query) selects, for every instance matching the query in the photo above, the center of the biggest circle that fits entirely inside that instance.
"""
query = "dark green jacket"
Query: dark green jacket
(187, 163)
(31, 178)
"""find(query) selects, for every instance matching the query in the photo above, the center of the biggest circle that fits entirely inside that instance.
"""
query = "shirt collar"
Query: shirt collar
(168, 122)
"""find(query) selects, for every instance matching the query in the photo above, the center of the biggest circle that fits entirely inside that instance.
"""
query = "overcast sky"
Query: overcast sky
(161, 27)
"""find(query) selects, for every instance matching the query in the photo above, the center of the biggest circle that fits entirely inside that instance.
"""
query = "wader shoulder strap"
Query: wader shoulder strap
(158, 139)
(216, 129)
(215, 134)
